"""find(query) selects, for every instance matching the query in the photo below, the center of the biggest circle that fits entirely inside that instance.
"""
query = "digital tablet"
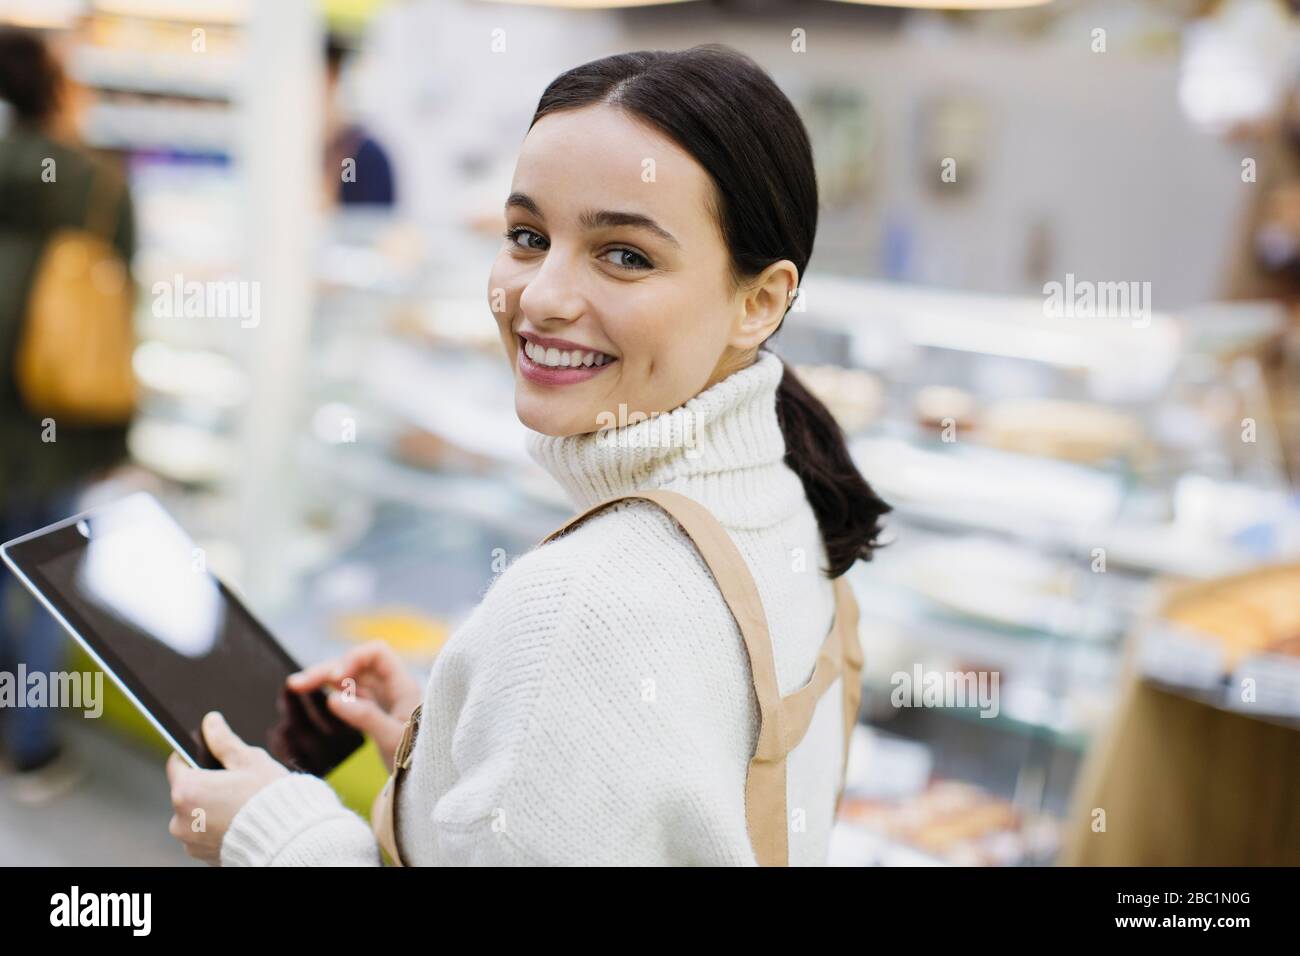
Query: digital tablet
(132, 588)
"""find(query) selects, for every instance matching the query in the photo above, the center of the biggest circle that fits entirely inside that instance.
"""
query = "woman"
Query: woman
(600, 706)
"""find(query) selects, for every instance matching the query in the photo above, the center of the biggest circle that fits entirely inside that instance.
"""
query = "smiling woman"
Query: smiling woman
(672, 676)
(603, 257)
(683, 210)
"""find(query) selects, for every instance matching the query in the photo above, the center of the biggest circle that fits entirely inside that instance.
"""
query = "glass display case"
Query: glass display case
(1047, 481)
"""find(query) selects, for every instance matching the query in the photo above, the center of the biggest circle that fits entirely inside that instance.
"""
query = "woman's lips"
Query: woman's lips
(557, 374)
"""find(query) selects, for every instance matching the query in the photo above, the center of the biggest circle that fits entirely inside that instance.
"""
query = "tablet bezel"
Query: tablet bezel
(55, 540)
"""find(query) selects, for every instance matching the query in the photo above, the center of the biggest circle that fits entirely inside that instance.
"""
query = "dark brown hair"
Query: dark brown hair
(30, 76)
(727, 113)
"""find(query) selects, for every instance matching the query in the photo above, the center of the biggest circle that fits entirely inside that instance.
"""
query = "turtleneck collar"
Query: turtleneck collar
(723, 448)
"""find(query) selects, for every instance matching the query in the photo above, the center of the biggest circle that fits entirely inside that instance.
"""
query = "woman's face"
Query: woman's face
(612, 292)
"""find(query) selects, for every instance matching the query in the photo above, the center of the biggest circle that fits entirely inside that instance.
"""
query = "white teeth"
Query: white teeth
(554, 358)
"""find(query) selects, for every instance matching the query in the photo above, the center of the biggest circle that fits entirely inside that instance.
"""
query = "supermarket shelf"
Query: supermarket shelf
(895, 603)
(485, 499)
(1197, 669)
(139, 126)
(1070, 738)
(181, 75)
(1224, 699)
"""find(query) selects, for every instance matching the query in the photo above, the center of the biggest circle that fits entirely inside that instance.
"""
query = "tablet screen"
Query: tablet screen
(133, 587)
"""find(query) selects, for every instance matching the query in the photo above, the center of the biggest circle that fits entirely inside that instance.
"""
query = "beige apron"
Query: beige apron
(783, 721)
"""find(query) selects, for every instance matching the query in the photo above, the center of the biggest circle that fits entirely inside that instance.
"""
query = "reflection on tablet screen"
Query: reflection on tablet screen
(141, 568)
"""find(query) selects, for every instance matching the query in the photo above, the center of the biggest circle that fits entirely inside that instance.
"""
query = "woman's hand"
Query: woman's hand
(206, 801)
(375, 693)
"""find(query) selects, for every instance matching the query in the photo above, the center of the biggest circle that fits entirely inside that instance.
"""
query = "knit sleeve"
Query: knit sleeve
(298, 821)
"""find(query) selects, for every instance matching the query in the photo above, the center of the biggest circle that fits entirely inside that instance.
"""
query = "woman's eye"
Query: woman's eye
(517, 233)
(631, 259)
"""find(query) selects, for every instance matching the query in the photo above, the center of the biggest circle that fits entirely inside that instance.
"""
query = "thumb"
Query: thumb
(221, 740)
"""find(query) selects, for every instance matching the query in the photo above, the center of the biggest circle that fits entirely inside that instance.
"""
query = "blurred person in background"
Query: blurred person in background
(48, 185)
(367, 177)
(1266, 260)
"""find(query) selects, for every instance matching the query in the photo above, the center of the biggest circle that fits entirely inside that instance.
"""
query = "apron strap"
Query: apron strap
(738, 590)
(782, 721)
(736, 584)
(383, 812)
(846, 629)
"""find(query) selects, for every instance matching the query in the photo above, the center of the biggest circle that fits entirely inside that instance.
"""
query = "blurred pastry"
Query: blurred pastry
(415, 446)
(1247, 614)
(1051, 428)
(851, 395)
(937, 406)
(1288, 648)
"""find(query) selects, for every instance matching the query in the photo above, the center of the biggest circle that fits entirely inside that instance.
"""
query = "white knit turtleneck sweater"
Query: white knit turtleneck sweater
(597, 706)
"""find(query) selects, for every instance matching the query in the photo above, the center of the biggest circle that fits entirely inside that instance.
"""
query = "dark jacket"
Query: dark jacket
(31, 210)
(373, 183)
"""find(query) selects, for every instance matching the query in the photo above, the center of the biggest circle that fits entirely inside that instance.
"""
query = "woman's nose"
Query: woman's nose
(554, 291)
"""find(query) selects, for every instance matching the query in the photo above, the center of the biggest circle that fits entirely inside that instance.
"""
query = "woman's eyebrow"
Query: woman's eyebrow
(601, 219)
(605, 218)
(524, 201)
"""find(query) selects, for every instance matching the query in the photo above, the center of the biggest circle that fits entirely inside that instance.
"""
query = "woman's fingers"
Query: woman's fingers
(175, 764)
(365, 715)
(372, 720)
(374, 664)
(367, 657)
(373, 668)
(374, 688)
(310, 678)
(393, 682)
(224, 743)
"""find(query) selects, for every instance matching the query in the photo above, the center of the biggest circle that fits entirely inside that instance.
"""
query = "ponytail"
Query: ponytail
(848, 511)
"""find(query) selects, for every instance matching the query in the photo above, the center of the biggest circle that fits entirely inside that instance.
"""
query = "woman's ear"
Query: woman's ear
(763, 304)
